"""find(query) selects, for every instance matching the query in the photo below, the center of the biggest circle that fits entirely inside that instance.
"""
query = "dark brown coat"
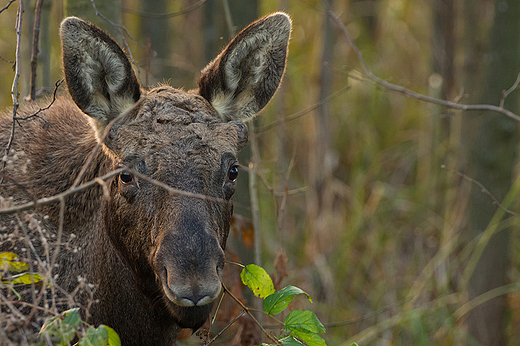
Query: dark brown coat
(155, 258)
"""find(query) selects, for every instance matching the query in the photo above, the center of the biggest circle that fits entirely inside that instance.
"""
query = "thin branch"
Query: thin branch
(408, 92)
(483, 189)
(166, 15)
(8, 61)
(248, 311)
(99, 180)
(7, 6)
(123, 31)
(36, 114)
(225, 328)
(174, 191)
(34, 306)
(58, 197)
(506, 93)
(35, 49)
(14, 88)
(229, 20)
(304, 111)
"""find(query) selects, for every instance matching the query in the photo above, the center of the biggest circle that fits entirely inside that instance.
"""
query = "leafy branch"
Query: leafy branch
(301, 327)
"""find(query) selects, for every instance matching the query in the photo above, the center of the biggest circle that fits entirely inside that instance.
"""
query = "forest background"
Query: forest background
(393, 210)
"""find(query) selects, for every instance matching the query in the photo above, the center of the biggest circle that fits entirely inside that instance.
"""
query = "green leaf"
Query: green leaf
(71, 319)
(257, 280)
(290, 341)
(303, 320)
(113, 338)
(95, 337)
(278, 301)
(311, 339)
(26, 278)
(287, 341)
(100, 336)
(62, 327)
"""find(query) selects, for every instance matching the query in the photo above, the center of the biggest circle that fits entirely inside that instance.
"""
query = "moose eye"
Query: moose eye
(126, 178)
(233, 173)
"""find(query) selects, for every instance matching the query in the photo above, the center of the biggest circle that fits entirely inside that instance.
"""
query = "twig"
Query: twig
(58, 197)
(248, 311)
(8, 61)
(408, 92)
(35, 49)
(304, 111)
(37, 307)
(174, 191)
(56, 86)
(225, 328)
(75, 189)
(123, 31)
(506, 93)
(253, 191)
(29, 262)
(229, 19)
(14, 88)
(7, 6)
(57, 246)
(166, 15)
(483, 189)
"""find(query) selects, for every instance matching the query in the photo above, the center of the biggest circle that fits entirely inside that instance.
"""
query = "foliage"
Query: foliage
(67, 325)
(303, 325)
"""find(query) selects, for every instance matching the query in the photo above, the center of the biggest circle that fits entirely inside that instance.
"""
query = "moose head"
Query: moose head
(168, 213)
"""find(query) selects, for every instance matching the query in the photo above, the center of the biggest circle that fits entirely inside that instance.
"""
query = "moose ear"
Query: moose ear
(98, 73)
(244, 77)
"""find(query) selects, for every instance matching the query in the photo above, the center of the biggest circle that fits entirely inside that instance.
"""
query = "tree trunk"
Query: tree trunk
(492, 153)
(157, 32)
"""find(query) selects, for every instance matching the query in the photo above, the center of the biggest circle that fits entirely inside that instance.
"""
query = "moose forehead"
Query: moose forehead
(173, 124)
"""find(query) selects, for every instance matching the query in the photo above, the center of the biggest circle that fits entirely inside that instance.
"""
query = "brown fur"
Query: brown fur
(149, 254)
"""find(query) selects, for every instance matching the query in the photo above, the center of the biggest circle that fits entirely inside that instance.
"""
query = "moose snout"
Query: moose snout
(190, 263)
(194, 296)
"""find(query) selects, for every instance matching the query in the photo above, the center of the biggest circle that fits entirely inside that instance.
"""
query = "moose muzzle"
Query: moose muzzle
(190, 263)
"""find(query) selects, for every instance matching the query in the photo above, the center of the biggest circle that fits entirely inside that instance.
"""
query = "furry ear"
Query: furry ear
(244, 77)
(98, 73)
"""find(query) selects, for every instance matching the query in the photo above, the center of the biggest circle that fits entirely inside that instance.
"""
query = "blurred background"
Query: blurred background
(394, 214)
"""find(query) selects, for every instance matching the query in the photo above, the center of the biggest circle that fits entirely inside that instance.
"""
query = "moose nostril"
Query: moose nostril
(195, 298)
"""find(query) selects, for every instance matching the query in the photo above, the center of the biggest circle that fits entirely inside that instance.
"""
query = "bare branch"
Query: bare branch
(7, 6)
(8, 61)
(483, 189)
(35, 49)
(36, 114)
(248, 311)
(57, 198)
(303, 112)
(506, 93)
(226, 327)
(166, 15)
(408, 92)
(172, 190)
(123, 31)
(14, 88)
(229, 20)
